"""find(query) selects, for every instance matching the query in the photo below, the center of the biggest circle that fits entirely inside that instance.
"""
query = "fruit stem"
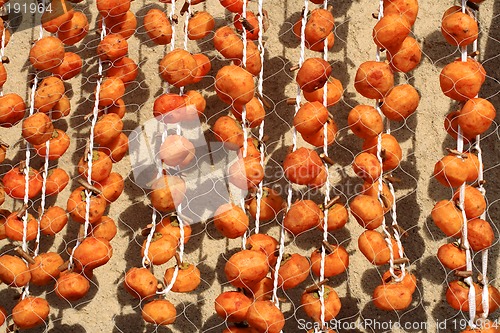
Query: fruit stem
(88, 186)
(184, 8)
(326, 159)
(392, 179)
(25, 255)
(64, 266)
(147, 230)
(175, 18)
(332, 202)
(474, 54)
(463, 274)
(294, 68)
(22, 166)
(328, 247)
(316, 286)
(5, 60)
(178, 259)
(291, 101)
(400, 261)
(457, 153)
(264, 101)
(87, 151)
(22, 211)
(81, 233)
(3, 144)
(472, 5)
(246, 24)
(400, 230)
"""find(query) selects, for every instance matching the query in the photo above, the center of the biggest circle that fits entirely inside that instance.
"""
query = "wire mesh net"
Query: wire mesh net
(234, 213)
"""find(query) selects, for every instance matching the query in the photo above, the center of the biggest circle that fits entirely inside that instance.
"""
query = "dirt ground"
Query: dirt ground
(109, 308)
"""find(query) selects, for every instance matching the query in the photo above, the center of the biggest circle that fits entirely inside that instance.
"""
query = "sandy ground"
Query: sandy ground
(108, 308)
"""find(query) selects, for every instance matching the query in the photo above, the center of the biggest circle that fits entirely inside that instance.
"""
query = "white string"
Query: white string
(484, 254)
(327, 190)
(244, 116)
(294, 147)
(468, 255)
(26, 289)
(388, 236)
(260, 91)
(90, 155)
(2, 51)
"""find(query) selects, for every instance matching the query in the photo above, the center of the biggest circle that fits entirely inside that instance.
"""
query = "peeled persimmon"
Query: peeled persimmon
(462, 80)
(406, 8)
(228, 131)
(178, 67)
(37, 128)
(112, 187)
(480, 234)
(336, 262)
(57, 180)
(246, 268)
(159, 312)
(188, 278)
(158, 26)
(161, 248)
(390, 31)
(302, 166)
(246, 173)
(12, 109)
(168, 192)
(475, 117)
(391, 297)
(392, 153)
(367, 167)
(140, 282)
(14, 183)
(367, 211)
(452, 256)
(76, 206)
(92, 253)
(72, 286)
(264, 243)
(311, 304)
(59, 143)
(74, 30)
(101, 166)
(406, 57)
(294, 270)
(53, 220)
(47, 53)
(365, 121)
(450, 171)
(200, 25)
(234, 84)
(176, 150)
(14, 271)
(264, 316)
(231, 220)
(46, 268)
(374, 79)
(30, 312)
(459, 28)
(303, 215)
(232, 306)
(310, 118)
(334, 91)
(448, 218)
(17, 230)
(313, 74)
(374, 247)
(400, 102)
(271, 203)
(474, 201)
